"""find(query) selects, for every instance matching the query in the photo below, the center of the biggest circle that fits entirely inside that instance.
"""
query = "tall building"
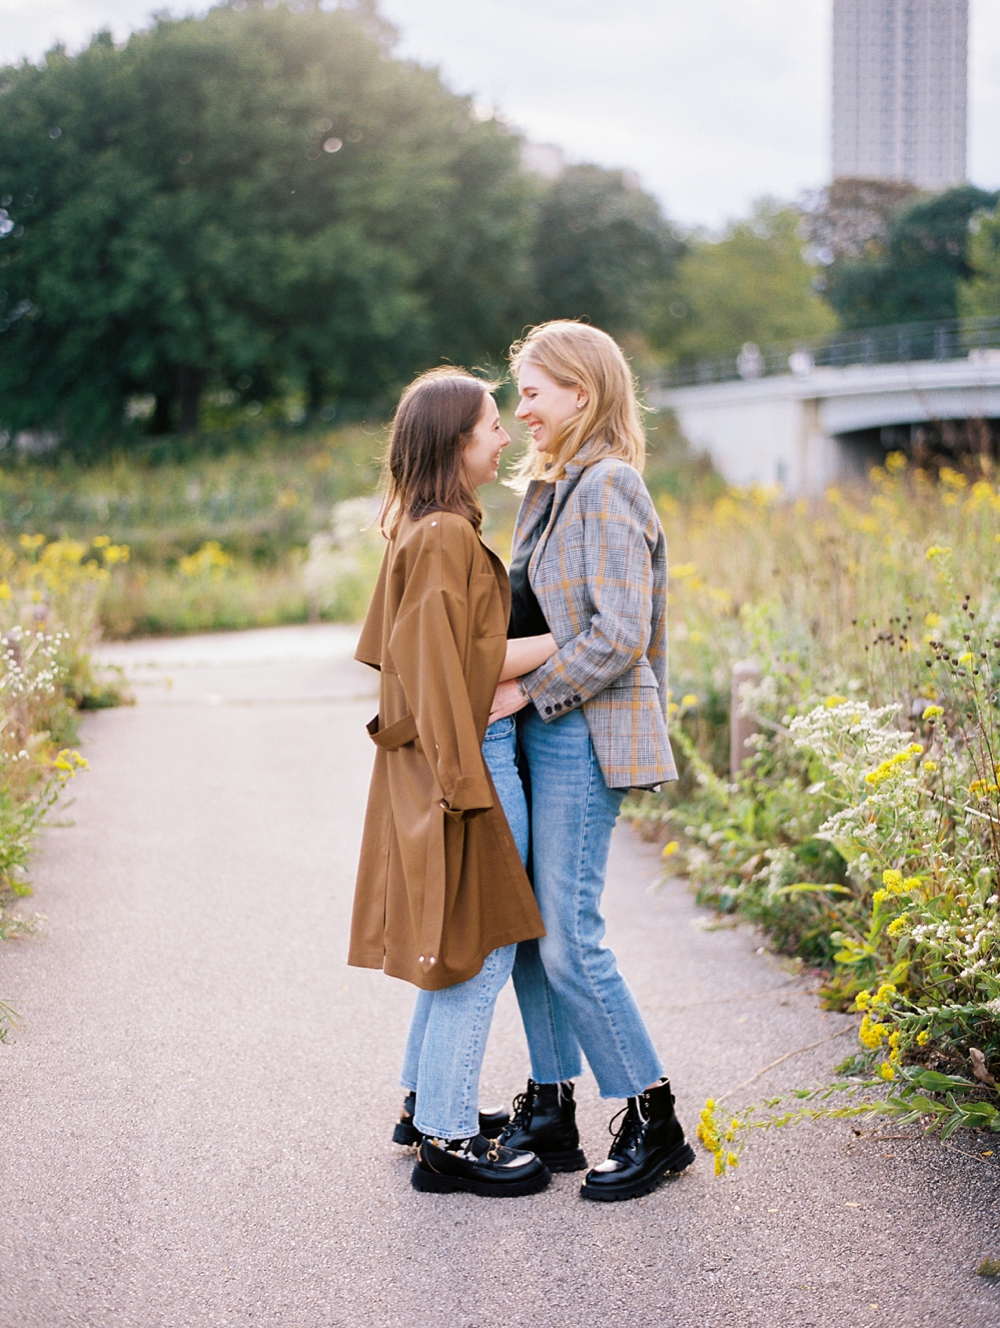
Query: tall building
(899, 90)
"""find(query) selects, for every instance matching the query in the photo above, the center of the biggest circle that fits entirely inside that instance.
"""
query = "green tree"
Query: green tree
(914, 271)
(261, 199)
(979, 297)
(603, 251)
(751, 284)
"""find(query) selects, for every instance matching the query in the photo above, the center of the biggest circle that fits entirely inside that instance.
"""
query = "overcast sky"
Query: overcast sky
(712, 102)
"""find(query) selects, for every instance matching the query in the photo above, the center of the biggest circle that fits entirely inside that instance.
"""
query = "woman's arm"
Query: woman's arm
(526, 653)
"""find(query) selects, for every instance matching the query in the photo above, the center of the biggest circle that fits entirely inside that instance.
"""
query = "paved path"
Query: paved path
(196, 1115)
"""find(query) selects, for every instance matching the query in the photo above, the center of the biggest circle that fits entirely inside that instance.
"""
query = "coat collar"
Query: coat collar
(537, 495)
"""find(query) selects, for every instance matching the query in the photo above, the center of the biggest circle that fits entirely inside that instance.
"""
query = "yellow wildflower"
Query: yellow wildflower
(5, 590)
(966, 658)
(953, 478)
(880, 897)
(670, 849)
(923, 1037)
(937, 551)
(979, 788)
(863, 1000)
(871, 1033)
(895, 461)
(884, 995)
(897, 925)
(932, 620)
(887, 1071)
(682, 570)
(832, 701)
(689, 700)
(930, 765)
(932, 712)
(68, 762)
(889, 766)
(101, 541)
(892, 879)
(732, 1160)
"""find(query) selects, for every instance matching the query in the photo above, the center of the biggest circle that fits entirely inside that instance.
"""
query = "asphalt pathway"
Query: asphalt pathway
(196, 1114)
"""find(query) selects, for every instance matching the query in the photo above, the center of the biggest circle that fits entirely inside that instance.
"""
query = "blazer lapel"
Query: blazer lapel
(564, 488)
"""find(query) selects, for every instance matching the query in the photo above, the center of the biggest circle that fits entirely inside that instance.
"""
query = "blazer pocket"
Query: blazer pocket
(639, 675)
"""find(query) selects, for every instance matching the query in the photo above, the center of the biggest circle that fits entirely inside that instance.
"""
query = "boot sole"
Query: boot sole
(677, 1161)
(432, 1182)
(572, 1160)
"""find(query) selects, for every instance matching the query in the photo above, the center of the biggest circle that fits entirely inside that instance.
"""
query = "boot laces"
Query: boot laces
(521, 1110)
(632, 1127)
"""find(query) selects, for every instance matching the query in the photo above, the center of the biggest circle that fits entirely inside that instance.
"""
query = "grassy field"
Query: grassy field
(278, 532)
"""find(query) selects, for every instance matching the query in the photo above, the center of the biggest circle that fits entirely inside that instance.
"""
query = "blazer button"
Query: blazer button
(558, 705)
(576, 700)
(548, 710)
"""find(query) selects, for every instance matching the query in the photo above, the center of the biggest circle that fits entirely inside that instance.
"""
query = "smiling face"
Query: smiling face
(481, 453)
(545, 405)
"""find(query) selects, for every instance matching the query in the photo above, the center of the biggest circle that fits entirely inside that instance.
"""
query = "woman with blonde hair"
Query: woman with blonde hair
(589, 565)
(442, 896)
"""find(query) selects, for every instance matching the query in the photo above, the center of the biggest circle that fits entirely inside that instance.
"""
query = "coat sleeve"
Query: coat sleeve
(617, 516)
(427, 645)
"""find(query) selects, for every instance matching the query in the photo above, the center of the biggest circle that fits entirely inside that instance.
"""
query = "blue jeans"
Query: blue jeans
(568, 985)
(448, 1032)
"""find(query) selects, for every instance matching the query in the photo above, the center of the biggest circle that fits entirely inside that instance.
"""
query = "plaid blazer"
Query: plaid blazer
(600, 575)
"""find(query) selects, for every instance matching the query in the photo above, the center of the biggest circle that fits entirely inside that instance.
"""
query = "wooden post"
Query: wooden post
(741, 725)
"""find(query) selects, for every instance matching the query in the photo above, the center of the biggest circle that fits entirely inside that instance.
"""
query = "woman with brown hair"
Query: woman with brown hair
(589, 564)
(442, 897)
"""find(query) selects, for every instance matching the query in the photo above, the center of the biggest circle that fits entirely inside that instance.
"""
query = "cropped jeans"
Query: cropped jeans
(448, 1032)
(571, 994)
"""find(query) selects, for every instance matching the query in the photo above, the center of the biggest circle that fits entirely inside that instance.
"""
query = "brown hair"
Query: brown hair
(578, 355)
(423, 469)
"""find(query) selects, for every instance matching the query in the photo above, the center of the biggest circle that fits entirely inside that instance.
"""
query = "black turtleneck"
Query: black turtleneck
(526, 617)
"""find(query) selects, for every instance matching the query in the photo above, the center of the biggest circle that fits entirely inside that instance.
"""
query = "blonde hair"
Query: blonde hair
(577, 355)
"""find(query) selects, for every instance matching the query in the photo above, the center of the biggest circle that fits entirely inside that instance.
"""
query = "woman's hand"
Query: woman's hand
(509, 699)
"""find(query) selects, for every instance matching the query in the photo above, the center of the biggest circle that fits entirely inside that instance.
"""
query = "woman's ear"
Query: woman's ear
(582, 398)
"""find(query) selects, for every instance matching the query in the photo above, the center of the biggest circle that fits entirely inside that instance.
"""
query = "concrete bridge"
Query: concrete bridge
(824, 417)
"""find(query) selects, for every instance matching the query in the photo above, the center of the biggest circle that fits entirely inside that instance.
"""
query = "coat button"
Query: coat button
(558, 705)
(548, 710)
(576, 700)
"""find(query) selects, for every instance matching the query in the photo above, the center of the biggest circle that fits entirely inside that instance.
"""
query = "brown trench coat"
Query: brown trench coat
(440, 883)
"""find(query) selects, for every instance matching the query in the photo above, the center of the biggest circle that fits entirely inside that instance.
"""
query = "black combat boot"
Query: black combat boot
(477, 1166)
(544, 1121)
(406, 1133)
(649, 1143)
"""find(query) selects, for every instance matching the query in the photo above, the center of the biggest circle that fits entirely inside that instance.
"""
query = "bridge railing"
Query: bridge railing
(901, 343)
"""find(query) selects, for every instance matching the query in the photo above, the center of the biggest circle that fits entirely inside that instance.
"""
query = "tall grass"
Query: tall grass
(258, 507)
(864, 831)
(48, 609)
